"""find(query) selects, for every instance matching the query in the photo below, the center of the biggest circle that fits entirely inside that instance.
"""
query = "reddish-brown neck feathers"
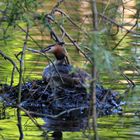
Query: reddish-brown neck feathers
(59, 52)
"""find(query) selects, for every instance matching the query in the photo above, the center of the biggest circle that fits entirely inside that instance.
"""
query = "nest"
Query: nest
(55, 99)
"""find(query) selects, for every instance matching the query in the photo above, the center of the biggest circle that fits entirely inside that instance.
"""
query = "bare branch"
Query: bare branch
(70, 19)
(56, 6)
(94, 71)
(127, 32)
(29, 36)
(74, 43)
(40, 52)
(130, 82)
(112, 21)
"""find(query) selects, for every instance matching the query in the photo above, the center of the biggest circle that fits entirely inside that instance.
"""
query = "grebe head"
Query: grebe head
(57, 50)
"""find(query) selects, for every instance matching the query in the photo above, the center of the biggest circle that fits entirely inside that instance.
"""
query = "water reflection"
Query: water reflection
(65, 125)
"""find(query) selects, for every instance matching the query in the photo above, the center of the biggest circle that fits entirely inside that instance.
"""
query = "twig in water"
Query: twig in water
(21, 60)
(54, 116)
(32, 119)
(13, 63)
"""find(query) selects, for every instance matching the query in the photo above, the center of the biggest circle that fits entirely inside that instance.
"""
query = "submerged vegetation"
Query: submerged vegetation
(95, 32)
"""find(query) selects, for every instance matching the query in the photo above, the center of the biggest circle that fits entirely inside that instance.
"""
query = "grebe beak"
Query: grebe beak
(48, 49)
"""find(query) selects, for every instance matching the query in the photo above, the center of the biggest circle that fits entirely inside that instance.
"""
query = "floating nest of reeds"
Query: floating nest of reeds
(62, 94)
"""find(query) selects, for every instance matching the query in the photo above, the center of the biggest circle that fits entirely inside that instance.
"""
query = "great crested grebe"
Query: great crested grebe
(65, 72)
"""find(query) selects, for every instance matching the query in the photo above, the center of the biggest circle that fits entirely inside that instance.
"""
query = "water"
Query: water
(123, 127)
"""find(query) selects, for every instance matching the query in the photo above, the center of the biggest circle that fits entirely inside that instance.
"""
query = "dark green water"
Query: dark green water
(114, 127)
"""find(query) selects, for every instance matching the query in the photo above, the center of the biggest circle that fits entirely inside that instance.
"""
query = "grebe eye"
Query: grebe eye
(47, 49)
